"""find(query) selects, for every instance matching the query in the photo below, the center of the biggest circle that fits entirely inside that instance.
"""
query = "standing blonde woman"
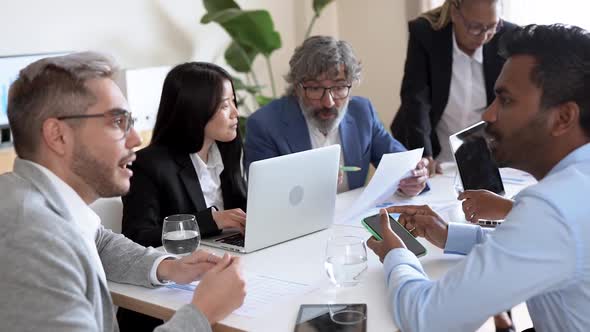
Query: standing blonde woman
(451, 66)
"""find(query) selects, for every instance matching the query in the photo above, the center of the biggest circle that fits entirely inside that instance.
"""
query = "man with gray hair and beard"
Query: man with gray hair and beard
(318, 111)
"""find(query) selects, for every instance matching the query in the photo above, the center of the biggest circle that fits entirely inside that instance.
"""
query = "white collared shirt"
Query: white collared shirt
(319, 140)
(208, 174)
(84, 218)
(467, 97)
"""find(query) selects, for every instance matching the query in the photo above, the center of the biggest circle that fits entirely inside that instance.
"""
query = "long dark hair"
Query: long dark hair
(191, 94)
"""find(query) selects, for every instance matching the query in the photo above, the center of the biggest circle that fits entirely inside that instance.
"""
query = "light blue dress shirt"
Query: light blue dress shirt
(540, 254)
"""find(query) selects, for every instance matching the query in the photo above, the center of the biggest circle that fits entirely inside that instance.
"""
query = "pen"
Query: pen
(350, 168)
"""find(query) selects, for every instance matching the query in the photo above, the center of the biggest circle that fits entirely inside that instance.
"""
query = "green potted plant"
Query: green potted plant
(253, 34)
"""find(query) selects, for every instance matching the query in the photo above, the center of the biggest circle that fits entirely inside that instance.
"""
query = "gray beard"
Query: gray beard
(324, 126)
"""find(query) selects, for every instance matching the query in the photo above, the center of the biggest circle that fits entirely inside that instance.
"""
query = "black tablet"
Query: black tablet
(332, 317)
(476, 165)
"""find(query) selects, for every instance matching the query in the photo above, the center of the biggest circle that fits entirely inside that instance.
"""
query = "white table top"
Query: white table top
(302, 260)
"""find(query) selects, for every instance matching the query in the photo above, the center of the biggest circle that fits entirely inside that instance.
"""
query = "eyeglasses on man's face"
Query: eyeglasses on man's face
(478, 29)
(318, 92)
(120, 120)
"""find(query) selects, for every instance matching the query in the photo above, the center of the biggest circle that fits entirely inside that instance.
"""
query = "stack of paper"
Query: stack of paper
(392, 168)
(261, 292)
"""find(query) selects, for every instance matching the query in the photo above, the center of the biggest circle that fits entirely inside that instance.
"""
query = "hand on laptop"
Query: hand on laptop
(234, 218)
(484, 204)
(414, 184)
(221, 291)
(188, 268)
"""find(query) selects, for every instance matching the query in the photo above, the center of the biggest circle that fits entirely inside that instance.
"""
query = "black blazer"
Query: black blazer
(427, 81)
(164, 183)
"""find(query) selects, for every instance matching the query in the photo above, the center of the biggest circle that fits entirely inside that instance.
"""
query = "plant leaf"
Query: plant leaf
(319, 5)
(251, 28)
(214, 6)
(263, 100)
(240, 57)
(221, 16)
(240, 85)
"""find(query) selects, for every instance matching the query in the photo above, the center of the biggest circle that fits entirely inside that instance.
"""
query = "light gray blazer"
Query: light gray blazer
(47, 279)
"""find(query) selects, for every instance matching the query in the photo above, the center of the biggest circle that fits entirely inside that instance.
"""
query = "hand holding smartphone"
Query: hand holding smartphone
(373, 225)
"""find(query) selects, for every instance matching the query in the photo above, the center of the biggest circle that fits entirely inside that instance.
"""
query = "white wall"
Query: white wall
(574, 12)
(377, 30)
(146, 33)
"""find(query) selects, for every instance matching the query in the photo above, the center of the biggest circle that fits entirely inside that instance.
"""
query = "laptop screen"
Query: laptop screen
(475, 163)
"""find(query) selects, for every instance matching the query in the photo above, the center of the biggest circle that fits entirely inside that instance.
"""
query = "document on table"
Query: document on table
(392, 168)
(261, 291)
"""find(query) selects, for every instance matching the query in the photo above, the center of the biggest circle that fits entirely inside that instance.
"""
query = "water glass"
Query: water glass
(180, 234)
(346, 260)
(344, 314)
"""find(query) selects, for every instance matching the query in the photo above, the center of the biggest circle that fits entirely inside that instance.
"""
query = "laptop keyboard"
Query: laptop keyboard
(236, 240)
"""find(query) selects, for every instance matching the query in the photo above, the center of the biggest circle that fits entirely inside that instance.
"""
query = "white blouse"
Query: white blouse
(208, 174)
(467, 98)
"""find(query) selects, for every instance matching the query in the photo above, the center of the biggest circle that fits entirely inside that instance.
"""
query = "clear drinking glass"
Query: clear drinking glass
(345, 314)
(346, 260)
(180, 234)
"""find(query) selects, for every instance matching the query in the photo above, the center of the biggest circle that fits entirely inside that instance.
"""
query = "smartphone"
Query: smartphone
(332, 317)
(373, 225)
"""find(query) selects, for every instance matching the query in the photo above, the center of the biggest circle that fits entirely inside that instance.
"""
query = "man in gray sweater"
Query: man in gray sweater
(74, 138)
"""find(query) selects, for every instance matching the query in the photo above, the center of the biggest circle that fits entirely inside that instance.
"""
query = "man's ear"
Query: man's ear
(565, 118)
(56, 135)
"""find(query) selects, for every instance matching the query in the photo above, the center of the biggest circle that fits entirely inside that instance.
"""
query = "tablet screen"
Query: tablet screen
(475, 163)
(332, 317)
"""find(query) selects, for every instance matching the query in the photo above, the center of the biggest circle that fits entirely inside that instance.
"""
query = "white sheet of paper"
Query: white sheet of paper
(392, 168)
(261, 291)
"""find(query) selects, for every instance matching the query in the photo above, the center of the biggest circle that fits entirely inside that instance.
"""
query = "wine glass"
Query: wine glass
(346, 260)
(180, 234)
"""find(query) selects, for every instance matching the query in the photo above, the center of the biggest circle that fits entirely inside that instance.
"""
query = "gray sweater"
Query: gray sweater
(48, 281)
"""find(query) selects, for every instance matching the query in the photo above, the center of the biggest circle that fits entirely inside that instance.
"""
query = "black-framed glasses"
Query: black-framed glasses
(120, 119)
(478, 29)
(318, 92)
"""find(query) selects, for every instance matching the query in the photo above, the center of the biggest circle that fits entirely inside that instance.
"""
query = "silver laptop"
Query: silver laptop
(288, 197)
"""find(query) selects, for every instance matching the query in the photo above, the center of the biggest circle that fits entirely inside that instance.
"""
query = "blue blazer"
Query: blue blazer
(279, 128)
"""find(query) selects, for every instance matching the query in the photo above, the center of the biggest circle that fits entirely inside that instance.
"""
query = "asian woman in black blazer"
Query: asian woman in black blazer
(197, 115)
(429, 66)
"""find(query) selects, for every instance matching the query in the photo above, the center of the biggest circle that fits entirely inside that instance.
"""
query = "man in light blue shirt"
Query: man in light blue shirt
(539, 123)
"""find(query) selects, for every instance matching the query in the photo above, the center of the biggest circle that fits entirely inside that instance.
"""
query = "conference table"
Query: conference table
(300, 262)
